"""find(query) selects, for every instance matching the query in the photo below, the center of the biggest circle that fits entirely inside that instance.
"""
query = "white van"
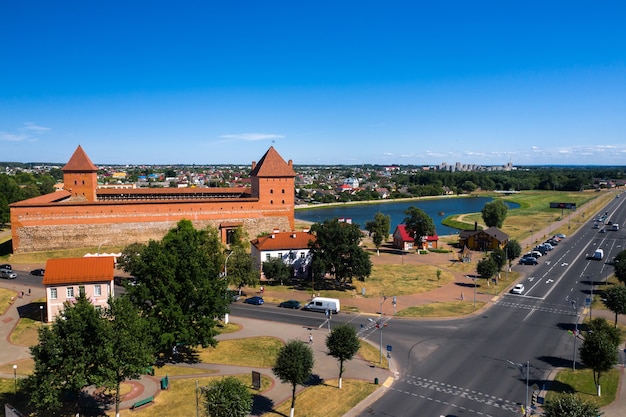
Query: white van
(323, 304)
(598, 254)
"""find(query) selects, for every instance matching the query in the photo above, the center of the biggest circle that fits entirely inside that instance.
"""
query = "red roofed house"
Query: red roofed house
(401, 238)
(291, 247)
(67, 277)
(403, 241)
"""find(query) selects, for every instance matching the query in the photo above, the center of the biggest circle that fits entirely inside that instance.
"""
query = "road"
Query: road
(487, 365)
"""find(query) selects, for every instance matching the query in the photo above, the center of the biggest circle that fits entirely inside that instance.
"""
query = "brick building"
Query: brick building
(83, 215)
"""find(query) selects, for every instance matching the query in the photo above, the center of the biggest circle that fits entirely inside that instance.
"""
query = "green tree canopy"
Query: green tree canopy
(227, 397)
(128, 344)
(614, 299)
(599, 350)
(179, 289)
(486, 268)
(498, 256)
(336, 251)
(570, 405)
(276, 269)
(342, 343)
(379, 229)
(418, 224)
(513, 250)
(294, 365)
(242, 270)
(494, 213)
(68, 358)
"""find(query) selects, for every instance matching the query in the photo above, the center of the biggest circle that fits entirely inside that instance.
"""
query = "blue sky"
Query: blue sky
(324, 82)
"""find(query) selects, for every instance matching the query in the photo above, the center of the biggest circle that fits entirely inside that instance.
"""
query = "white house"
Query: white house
(291, 247)
(66, 278)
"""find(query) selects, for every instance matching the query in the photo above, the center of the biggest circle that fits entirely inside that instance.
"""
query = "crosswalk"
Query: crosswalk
(546, 308)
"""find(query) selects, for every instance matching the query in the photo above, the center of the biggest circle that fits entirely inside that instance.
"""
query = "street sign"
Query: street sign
(587, 302)
(535, 387)
(388, 348)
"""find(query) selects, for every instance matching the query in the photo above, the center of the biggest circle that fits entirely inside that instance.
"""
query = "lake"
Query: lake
(437, 209)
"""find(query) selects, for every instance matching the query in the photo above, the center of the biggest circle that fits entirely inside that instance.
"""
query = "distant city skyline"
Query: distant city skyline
(325, 83)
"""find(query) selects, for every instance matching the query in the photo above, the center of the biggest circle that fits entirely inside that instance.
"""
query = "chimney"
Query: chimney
(253, 165)
(290, 163)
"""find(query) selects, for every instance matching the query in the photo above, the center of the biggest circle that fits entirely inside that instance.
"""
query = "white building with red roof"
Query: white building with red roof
(291, 247)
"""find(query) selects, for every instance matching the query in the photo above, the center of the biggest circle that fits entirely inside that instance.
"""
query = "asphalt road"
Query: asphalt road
(488, 364)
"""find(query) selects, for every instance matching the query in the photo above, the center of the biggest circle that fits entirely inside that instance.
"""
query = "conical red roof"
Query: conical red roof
(79, 162)
(273, 165)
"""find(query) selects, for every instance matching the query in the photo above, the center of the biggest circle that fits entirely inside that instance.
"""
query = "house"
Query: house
(483, 240)
(65, 278)
(291, 247)
(429, 242)
(401, 238)
(403, 241)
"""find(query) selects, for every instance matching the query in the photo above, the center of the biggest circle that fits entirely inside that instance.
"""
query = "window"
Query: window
(301, 255)
(53, 293)
(70, 292)
(268, 256)
(97, 290)
(280, 255)
(292, 255)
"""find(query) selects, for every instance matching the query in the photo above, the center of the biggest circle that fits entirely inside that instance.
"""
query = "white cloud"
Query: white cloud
(32, 127)
(252, 136)
(12, 137)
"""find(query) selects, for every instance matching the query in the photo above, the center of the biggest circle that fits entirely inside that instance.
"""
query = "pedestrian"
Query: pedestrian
(262, 290)
(462, 297)
(310, 339)
(29, 291)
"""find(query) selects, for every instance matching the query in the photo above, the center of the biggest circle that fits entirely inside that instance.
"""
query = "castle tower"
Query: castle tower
(272, 181)
(80, 176)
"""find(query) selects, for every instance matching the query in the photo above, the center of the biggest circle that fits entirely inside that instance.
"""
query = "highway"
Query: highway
(487, 364)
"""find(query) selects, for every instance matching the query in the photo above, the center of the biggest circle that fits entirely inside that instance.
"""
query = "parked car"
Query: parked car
(256, 300)
(542, 249)
(547, 245)
(528, 260)
(6, 266)
(234, 295)
(7, 274)
(38, 272)
(518, 289)
(534, 254)
(294, 304)
(561, 236)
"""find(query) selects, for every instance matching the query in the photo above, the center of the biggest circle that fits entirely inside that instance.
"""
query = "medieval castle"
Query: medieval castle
(82, 215)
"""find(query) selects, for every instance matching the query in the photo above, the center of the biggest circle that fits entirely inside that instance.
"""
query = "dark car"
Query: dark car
(528, 260)
(38, 272)
(256, 300)
(295, 304)
(6, 266)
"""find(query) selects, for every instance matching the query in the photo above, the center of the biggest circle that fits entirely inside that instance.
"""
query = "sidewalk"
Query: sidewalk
(326, 367)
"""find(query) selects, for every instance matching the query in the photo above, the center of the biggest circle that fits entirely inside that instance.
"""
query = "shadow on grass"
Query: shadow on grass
(262, 405)
(6, 248)
(32, 311)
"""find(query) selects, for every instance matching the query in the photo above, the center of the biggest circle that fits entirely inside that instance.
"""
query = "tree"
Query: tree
(599, 350)
(336, 251)
(619, 263)
(294, 365)
(179, 289)
(276, 269)
(379, 229)
(486, 268)
(227, 397)
(570, 405)
(342, 343)
(494, 213)
(498, 256)
(614, 299)
(241, 269)
(513, 250)
(68, 358)
(418, 224)
(128, 345)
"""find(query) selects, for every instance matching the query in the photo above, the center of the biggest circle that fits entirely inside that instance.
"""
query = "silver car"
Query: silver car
(7, 274)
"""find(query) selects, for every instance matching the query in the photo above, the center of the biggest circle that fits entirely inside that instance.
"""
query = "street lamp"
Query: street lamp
(383, 298)
(101, 243)
(41, 311)
(575, 334)
(15, 377)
